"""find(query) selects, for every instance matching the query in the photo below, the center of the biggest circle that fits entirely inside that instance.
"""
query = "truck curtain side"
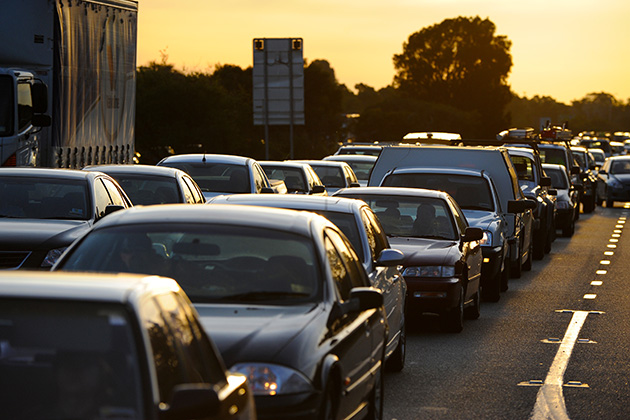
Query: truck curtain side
(85, 53)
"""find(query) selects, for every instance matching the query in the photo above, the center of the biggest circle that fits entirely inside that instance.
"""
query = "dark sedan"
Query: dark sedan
(148, 184)
(282, 294)
(442, 265)
(42, 211)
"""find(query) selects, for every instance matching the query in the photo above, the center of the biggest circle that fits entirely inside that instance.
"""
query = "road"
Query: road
(555, 346)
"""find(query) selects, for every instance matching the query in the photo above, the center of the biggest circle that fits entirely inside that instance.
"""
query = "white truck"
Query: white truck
(67, 82)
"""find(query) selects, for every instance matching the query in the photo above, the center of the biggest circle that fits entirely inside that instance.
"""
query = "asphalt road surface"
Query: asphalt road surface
(556, 346)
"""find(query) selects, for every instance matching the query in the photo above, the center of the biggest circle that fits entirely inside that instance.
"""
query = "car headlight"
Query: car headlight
(562, 205)
(430, 271)
(487, 238)
(270, 379)
(52, 256)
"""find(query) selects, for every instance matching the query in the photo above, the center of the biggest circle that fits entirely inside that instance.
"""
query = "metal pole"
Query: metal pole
(291, 97)
(266, 103)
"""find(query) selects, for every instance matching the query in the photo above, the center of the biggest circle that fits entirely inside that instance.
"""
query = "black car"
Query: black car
(148, 184)
(443, 258)
(42, 211)
(282, 294)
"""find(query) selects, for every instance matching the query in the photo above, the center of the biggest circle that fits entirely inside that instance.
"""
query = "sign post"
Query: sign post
(278, 79)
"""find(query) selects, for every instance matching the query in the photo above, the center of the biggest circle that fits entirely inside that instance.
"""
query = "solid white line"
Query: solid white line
(550, 401)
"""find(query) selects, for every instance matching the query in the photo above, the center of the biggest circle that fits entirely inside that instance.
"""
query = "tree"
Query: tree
(460, 63)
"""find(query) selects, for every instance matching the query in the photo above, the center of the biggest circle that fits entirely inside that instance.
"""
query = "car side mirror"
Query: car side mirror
(267, 190)
(552, 191)
(575, 170)
(41, 120)
(191, 401)
(578, 187)
(361, 299)
(545, 181)
(521, 206)
(318, 189)
(112, 208)
(603, 172)
(472, 234)
(390, 257)
(354, 184)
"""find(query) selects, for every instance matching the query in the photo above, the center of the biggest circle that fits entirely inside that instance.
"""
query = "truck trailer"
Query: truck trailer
(67, 82)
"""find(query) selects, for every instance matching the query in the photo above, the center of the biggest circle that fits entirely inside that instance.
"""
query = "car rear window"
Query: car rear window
(67, 359)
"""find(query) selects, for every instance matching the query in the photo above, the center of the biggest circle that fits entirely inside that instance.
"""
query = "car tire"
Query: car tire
(328, 407)
(551, 236)
(568, 231)
(541, 243)
(516, 268)
(589, 205)
(505, 276)
(474, 310)
(396, 361)
(491, 292)
(527, 265)
(375, 407)
(453, 320)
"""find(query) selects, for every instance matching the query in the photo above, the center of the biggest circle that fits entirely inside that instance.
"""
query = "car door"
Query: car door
(387, 279)
(358, 336)
(471, 252)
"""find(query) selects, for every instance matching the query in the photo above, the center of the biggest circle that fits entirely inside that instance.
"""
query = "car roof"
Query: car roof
(399, 191)
(619, 157)
(555, 166)
(136, 169)
(223, 214)
(283, 163)
(440, 170)
(207, 158)
(47, 173)
(80, 286)
(294, 201)
(346, 158)
(331, 163)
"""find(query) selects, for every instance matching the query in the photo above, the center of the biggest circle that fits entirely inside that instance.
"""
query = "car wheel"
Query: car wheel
(328, 408)
(516, 268)
(474, 311)
(505, 276)
(453, 320)
(541, 242)
(375, 408)
(396, 361)
(491, 291)
(527, 265)
(589, 205)
(568, 231)
(551, 236)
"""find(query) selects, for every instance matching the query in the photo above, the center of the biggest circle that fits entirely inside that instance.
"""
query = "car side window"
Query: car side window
(114, 193)
(344, 264)
(380, 237)
(188, 195)
(460, 219)
(194, 188)
(101, 198)
(259, 178)
(176, 354)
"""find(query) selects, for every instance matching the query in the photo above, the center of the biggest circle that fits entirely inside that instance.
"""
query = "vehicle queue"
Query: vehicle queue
(308, 301)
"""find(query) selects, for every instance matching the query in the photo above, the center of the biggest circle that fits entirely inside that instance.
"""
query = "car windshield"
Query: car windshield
(44, 198)
(524, 167)
(470, 192)
(410, 216)
(146, 189)
(558, 178)
(619, 167)
(216, 177)
(293, 177)
(67, 359)
(211, 263)
(6, 106)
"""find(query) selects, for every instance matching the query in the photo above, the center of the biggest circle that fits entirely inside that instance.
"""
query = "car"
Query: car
(150, 184)
(567, 198)
(443, 257)
(364, 231)
(599, 156)
(535, 185)
(334, 175)
(395, 161)
(587, 177)
(597, 143)
(88, 346)
(281, 292)
(371, 149)
(361, 165)
(299, 178)
(218, 174)
(42, 211)
(613, 180)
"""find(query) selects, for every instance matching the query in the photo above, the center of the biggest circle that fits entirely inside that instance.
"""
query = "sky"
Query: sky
(564, 49)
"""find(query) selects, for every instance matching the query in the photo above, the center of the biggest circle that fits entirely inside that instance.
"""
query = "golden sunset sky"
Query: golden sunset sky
(560, 48)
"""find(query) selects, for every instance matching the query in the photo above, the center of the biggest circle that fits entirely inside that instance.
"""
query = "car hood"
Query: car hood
(623, 178)
(32, 234)
(425, 251)
(481, 219)
(250, 333)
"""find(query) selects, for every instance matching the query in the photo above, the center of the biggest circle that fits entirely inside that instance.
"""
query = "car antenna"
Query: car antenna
(203, 159)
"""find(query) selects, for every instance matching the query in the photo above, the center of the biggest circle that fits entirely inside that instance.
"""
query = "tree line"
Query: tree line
(451, 76)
